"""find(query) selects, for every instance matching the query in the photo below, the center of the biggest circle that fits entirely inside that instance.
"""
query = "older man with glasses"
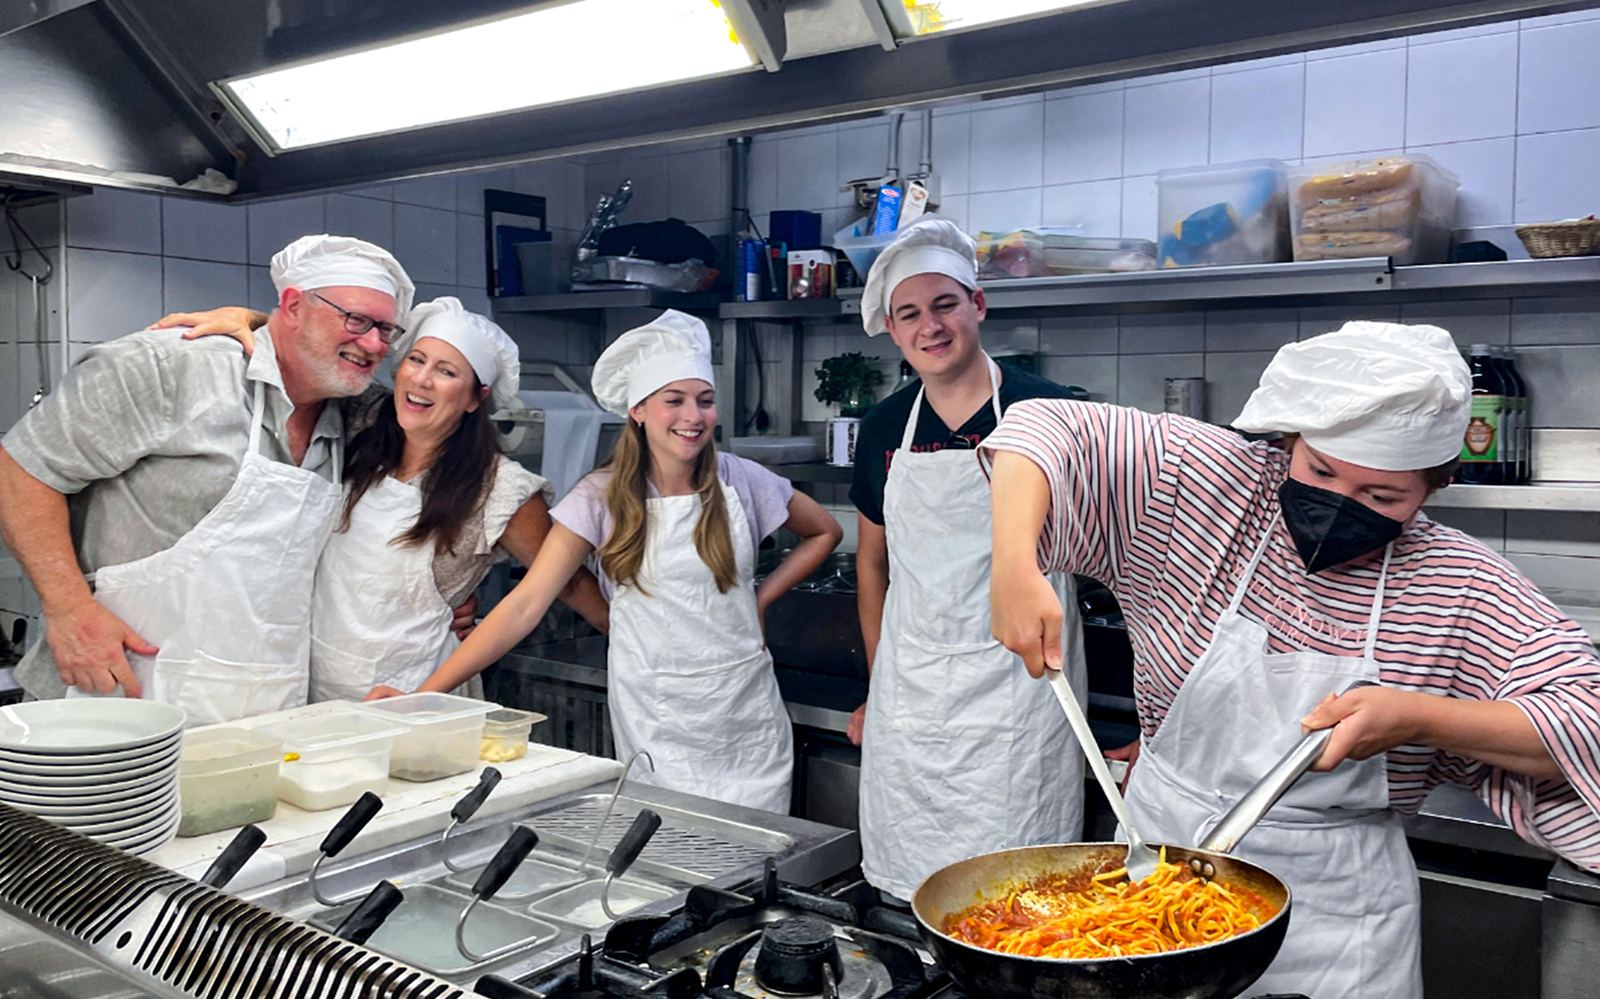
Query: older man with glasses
(169, 500)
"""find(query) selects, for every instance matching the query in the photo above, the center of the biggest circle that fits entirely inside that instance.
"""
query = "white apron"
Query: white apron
(1354, 928)
(689, 677)
(376, 614)
(229, 604)
(962, 753)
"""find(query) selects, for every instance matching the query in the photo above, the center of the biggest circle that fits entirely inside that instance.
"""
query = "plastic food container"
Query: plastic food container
(339, 756)
(441, 737)
(227, 777)
(1401, 207)
(1097, 255)
(505, 734)
(1233, 213)
(1017, 254)
(861, 248)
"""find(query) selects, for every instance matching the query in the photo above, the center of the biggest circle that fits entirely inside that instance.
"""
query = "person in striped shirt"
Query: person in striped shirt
(1259, 583)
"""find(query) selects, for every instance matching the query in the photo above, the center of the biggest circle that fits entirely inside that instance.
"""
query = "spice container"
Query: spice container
(441, 735)
(338, 757)
(227, 777)
(505, 734)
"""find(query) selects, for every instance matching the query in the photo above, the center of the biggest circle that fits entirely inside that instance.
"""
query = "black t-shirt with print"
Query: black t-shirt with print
(882, 427)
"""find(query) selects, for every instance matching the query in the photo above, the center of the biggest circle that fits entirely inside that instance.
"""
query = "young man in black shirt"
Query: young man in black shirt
(961, 752)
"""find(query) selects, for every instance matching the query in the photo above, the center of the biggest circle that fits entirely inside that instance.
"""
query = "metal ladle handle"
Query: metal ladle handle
(1257, 801)
(464, 810)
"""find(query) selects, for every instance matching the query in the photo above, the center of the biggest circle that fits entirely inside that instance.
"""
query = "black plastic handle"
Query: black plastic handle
(515, 850)
(364, 919)
(468, 806)
(244, 846)
(633, 842)
(350, 824)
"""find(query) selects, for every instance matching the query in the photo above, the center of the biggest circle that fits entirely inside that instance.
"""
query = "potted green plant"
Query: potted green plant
(848, 380)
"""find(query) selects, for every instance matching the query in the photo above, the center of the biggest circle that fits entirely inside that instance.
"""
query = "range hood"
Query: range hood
(122, 92)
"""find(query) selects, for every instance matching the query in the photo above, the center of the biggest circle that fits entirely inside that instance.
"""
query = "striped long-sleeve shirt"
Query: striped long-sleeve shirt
(1167, 511)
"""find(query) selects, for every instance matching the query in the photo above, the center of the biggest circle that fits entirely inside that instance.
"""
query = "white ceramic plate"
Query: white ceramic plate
(148, 817)
(119, 788)
(161, 838)
(87, 724)
(42, 805)
(144, 839)
(154, 748)
(91, 779)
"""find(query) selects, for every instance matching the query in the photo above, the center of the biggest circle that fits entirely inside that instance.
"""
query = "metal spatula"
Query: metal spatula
(1141, 859)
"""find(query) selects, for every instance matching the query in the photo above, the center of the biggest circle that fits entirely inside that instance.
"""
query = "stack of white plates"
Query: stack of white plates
(105, 767)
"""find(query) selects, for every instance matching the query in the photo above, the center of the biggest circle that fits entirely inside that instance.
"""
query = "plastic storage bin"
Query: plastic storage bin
(227, 777)
(862, 249)
(1017, 254)
(505, 734)
(340, 755)
(1097, 255)
(1233, 213)
(442, 733)
(1401, 207)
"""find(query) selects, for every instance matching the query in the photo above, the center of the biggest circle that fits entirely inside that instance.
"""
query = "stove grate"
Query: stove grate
(698, 854)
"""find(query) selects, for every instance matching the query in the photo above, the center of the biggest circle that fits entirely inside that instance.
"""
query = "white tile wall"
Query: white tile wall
(1083, 137)
(1356, 103)
(1166, 125)
(1258, 113)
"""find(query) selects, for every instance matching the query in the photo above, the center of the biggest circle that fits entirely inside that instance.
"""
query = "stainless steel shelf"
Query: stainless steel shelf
(801, 308)
(815, 472)
(1571, 498)
(622, 298)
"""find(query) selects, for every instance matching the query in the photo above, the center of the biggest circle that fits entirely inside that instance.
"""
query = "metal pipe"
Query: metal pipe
(739, 196)
(925, 165)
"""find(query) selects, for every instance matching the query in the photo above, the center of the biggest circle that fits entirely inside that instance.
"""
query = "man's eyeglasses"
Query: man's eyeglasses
(357, 324)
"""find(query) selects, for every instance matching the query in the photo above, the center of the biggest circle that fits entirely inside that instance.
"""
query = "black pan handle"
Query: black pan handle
(237, 853)
(364, 919)
(468, 806)
(515, 850)
(633, 842)
(350, 824)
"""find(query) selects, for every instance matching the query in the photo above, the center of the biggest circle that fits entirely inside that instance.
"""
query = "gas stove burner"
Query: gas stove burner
(798, 957)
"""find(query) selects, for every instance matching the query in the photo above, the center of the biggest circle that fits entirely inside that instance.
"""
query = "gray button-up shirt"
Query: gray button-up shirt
(145, 435)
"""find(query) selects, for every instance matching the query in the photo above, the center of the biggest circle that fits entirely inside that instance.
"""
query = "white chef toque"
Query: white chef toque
(492, 353)
(325, 261)
(930, 245)
(672, 347)
(1380, 395)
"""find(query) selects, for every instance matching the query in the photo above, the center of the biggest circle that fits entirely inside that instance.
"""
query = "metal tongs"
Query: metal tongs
(1257, 801)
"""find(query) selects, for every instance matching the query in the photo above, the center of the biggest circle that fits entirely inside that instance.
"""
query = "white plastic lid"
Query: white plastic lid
(427, 708)
(334, 730)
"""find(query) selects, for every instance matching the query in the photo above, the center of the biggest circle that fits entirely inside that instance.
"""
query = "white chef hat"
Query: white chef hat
(672, 347)
(1378, 395)
(488, 349)
(930, 245)
(325, 261)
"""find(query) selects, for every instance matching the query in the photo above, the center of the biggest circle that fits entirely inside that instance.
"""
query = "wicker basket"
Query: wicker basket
(1575, 238)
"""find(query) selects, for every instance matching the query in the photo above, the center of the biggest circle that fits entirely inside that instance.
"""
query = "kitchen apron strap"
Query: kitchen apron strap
(1377, 603)
(1250, 568)
(909, 434)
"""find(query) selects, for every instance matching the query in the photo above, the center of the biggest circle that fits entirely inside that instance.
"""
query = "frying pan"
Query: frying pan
(1217, 970)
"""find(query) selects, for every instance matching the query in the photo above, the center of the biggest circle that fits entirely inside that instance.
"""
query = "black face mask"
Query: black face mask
(1329, 529)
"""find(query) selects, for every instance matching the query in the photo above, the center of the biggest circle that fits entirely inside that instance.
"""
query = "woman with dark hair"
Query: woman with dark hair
(431, 504)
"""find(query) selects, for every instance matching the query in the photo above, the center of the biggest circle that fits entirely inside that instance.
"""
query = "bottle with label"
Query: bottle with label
(1480, 451)
(1508, 360)
(1510, 437)
(907, 376)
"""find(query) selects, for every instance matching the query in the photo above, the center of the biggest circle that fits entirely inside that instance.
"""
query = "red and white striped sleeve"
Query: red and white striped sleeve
(1102, 464)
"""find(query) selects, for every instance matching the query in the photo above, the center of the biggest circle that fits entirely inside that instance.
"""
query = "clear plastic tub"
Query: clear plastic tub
(1401, 207)
(227, 777)
(338, 757)
(442, 733)
(861, 249)
(1232, 213)
(1097, 255)
(505, 734)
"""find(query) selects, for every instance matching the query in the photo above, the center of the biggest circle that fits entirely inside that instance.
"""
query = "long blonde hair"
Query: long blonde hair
(622, 555)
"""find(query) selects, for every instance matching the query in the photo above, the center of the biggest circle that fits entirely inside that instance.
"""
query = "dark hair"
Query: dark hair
(1439, 476)
(462, 473)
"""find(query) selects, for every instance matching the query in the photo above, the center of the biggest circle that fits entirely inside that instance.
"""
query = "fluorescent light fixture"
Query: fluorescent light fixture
(925, 17)
(565, 52)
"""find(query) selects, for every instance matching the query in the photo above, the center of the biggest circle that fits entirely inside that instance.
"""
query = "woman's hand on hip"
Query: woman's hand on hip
(1365, 722)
